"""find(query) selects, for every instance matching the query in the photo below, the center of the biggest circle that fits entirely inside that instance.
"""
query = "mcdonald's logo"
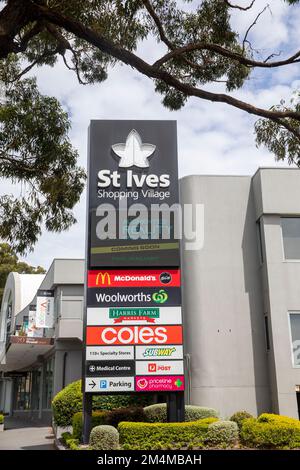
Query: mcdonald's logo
(103, 279)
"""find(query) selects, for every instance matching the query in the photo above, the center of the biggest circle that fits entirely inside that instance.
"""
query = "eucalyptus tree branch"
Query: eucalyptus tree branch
(253, 24)
(127, 57)
(295, 58)
(239, 7)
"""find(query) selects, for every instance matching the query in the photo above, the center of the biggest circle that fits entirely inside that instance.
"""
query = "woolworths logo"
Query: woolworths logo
(160, 297)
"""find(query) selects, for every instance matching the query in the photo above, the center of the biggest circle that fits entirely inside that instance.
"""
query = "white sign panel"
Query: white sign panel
(153, 352)
(109, 353)
(33, 331)
(45, 309)
(159, 367)
(109, 384)
(134, 316)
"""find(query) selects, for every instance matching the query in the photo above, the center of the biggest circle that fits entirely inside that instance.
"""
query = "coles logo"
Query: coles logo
(123, 335)
(134, 278)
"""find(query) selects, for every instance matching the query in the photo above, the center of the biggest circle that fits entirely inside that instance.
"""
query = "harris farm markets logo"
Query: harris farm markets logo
(139, 335)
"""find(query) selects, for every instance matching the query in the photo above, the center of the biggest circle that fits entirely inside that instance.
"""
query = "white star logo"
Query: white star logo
(133, 152)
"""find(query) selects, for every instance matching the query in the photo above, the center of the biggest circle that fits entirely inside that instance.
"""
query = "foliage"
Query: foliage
(199, 47)
(69, 401)
(239, 418)
(278, 139)
(193, 412)
(111, 402)
(35, 151)
(104, 438)
(66, 403)
(69, 441)
(98, 418)
(271, 431)
(1, 419)
(222, 434)
(135, 414)
(273, 418)
(9, 262)
(147, 436)
(158, 413)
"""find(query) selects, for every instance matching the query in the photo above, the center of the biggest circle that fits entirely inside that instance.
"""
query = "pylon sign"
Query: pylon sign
(133, 318)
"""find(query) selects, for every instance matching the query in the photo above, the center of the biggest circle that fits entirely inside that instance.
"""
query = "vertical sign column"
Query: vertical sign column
(133, 322)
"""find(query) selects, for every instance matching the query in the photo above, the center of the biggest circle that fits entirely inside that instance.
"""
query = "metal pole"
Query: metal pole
(87, 417)
(175, 407)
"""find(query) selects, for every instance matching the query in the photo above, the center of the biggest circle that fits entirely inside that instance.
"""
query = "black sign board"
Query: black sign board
(132, 167)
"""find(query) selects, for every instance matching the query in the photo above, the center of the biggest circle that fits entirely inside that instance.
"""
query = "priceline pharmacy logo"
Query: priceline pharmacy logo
(155, 222)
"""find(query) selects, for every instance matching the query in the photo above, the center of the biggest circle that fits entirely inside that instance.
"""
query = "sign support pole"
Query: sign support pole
(87, 417)
(175, 407)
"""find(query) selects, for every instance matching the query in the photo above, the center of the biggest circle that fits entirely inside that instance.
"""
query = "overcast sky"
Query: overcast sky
(212, 138)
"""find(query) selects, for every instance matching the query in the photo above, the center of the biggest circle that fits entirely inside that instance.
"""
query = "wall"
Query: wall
(222, 299)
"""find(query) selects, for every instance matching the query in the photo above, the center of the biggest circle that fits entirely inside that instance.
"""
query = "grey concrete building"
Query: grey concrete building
(241, 293)
(241, 301)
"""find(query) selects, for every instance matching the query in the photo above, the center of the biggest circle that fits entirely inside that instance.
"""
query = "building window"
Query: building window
(295, 337)
(267, 332)
(291, 237)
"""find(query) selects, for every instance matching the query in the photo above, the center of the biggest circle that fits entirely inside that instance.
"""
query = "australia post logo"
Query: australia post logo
(134, 278)
(140, 335)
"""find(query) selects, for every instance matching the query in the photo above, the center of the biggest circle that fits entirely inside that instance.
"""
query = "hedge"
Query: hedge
(69, 441)
(147, 436)
(239, 417)
(98, 418)
(1, 419)
(111, 418)
(271, 431)
(114, 417)
(69, 401)
(222, 434)
(66, 403)
(158, 413)
(104, 438)
(112, 402)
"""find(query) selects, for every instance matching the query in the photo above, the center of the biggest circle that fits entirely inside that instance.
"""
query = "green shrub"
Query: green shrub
(112, 402)
(69, 401)
(271, 431)
(222, 433)
(66, 403)
(1, 419)
(239, 418)
(98, 418)
(272, 418)
(104, 438)
(193, 412)
(114, 417)
(146, 436)
(158, 413)
(69, 441)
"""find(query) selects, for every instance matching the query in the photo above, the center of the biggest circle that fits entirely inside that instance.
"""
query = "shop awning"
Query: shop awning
(23, 352)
